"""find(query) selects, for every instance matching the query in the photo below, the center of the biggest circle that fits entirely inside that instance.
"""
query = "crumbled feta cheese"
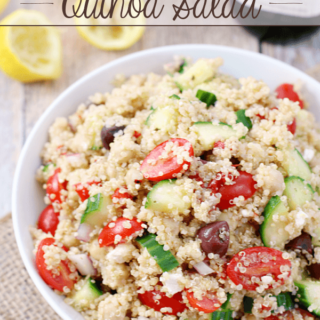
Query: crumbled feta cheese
(300, 218)
(266, 279)
(308, 154)
(122, 253)
(246, 213)
(171, 282)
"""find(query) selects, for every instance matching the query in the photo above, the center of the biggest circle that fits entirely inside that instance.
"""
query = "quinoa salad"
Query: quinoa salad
(189, 195)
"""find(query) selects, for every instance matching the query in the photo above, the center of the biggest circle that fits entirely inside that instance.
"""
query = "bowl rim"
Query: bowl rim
(18, 172)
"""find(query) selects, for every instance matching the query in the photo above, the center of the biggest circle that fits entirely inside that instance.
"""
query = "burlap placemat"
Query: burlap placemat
(19, 298)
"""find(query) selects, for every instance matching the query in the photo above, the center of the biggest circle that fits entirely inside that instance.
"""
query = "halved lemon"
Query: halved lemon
(103, 36)
(3, 4)
(30, 54)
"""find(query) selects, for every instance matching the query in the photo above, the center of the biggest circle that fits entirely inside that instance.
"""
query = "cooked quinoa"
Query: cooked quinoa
(237, 169)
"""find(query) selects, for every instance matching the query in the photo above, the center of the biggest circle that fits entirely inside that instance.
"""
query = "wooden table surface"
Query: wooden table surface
(21, 105)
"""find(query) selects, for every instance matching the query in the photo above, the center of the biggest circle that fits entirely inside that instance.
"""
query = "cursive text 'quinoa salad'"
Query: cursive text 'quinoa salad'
(188, 196)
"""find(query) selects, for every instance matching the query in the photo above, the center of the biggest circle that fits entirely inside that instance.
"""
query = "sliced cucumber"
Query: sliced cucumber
(165, 259)
(316, 239)
(226, 305)
(162, 118)
(92, 129)
(95, 148)
(220, 315)
(96, 210)
(210, 133)
(297, 191)
(175, 96)
(273, 233)
(308, 294)
(46, 167)
(200, 72)
(166, 196)
(207, 97)
(182, 66)
(247, 304)
(295, 165)
(283, 300)
(241, 117)
(87, 294)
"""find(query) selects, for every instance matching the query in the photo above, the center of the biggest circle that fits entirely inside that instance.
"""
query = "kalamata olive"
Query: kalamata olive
(314, 270)
(215, 238)
(206, 155)
(234, 161)
(107, 135)
(303, 242)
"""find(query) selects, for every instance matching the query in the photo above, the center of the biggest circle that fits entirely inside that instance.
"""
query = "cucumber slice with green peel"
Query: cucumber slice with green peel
(247, 304)
(46, 167)
(210, 133)
(206, 97)
(165, 259)
(88, 293)
(198, 73)
(308, 294)
(297, 191)
(316, 239)
(283, 300)
(96, 212)
(166, 196)
(295, 165)
(175, 96)
(92, 127)
(226, 305)
(162, 118)
(241, 117)
(182, 66)
(272, 230)
(220, 315)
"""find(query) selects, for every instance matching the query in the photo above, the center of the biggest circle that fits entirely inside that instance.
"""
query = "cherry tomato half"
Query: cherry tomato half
(305, 314)
(155, 168)
(83, 191)
(175, 302)
(57, 282)
(208, 304)
(292, 126)
(219, 145)
(48, 220)
(286, 91)
(258, 262)
(114, 228)
(118, 195)
(243, 186)
(54, 187)
(288, 315)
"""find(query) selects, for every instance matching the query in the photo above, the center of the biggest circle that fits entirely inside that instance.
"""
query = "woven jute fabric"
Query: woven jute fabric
(19, 298)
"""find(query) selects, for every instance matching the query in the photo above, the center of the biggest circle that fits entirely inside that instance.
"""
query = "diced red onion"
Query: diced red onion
(72, 126)
(84, 232)
(83, 263)
(73, 158)
(203, 268)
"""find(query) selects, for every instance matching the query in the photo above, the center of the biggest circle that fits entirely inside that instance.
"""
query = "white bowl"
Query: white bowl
(27, 193)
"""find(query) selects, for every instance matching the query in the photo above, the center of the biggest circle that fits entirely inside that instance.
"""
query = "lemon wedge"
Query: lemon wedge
(29, 54)
(3, 4)
(110, 37)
